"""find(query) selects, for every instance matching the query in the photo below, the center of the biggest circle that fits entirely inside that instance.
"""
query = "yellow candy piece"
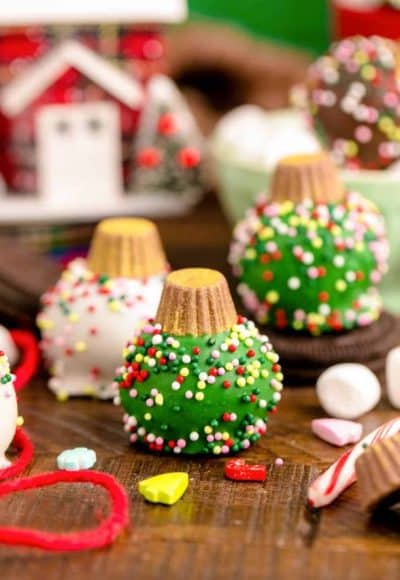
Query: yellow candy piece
(166, 488)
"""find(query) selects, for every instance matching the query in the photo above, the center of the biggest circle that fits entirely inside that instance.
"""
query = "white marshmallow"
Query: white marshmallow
(347, 391)
(393, 377)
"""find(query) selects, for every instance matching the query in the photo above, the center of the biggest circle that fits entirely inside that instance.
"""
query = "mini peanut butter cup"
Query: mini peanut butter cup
(301, 177)
(378, 474)
(127, 248)
(196, 301)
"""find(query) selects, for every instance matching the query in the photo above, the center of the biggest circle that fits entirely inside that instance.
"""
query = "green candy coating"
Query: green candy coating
(311, 267)
(195, 407)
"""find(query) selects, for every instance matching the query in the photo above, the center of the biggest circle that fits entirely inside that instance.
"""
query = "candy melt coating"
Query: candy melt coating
(311, 267)
(166, 488)
(393, 377)
(348, 390)
(354, 102)
(8, 409)
(204, 394)
(84, 323)
(337, 431)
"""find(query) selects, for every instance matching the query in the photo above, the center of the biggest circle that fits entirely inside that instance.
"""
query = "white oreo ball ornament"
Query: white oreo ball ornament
(8, 409)
(88, 315)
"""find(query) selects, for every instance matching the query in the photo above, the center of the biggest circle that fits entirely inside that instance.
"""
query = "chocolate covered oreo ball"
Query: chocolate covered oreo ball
(311, 256)
(199, 379)
(354, 102)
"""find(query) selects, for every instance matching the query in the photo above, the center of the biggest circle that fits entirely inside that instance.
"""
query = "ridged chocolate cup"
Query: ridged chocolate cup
(127, 248)
(301, 177)
(378, 474)
(196, 301)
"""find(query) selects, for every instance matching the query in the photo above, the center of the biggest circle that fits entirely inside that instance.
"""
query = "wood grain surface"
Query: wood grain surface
(220, 529)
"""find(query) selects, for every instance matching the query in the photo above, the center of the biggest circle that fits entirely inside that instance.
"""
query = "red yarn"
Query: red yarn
(23, 443)
(28, 347)
(99, 537)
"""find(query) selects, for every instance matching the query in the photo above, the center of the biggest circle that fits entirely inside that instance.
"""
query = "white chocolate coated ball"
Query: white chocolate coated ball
(8, 410)
(85, 324)
(8, 345)
(393, 377)
(348, 390)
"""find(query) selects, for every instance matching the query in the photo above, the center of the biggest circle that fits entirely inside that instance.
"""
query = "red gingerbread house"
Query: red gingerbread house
(73, 81)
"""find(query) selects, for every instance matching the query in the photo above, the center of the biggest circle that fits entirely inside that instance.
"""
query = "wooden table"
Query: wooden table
(220, 529)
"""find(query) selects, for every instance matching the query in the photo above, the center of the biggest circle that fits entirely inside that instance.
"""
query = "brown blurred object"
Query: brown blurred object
(24, 275)
(219, 68)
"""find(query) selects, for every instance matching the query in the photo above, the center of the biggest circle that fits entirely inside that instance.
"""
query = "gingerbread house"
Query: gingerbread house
(73, 81)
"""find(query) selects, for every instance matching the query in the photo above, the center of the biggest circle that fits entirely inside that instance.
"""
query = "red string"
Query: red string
(28, 348)
(103, 535)
(23, 443)
(99, 537)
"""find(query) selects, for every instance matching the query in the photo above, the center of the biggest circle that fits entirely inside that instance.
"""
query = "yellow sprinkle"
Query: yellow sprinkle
(250, 380)
(368, 72)
(225, 435)
(184, 372)
(272, 296)
(199, 396)
(266, 233)
(255, 374)
(229, 366)
(264, 373)
(286, 207)
(80, 346)
(317, 243)
(62, 396)
(359, 246)
(208, 430)
(217, 450)
(241, 382)
(45, 324)
(158, 354)
(88, 390)
(250, 254)
(147, 416)
(351, 148)
(74, 317)
(138, 357)
(341, 285)
(201, 385)
(114, 306)
(159, 399)
(20, 421)
(297, 325)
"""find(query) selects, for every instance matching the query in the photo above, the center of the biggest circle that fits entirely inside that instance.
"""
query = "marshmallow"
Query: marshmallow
(337, 431)
(393, 377)
(348, 390)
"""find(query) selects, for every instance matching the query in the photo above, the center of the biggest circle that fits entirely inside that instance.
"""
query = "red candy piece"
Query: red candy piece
(240, 470)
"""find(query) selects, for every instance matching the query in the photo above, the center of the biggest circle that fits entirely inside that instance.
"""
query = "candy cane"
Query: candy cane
(339, 476)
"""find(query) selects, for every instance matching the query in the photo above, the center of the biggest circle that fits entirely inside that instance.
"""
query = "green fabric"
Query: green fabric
(175, 417)
(303, 24)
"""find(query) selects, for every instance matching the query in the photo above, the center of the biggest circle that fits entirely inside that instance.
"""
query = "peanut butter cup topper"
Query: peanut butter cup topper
(100, 302)
(378, 474)
(127, 248)
(196, 301)
(199, 379)
(310, 176)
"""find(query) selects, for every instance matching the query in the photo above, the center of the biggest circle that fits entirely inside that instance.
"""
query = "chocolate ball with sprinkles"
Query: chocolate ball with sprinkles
(199, 379)
(97, 303)
(310, 258)
(354, 102)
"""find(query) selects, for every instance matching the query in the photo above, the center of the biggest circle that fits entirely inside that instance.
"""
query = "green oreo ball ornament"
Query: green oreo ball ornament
(199, 379)
(310, 257)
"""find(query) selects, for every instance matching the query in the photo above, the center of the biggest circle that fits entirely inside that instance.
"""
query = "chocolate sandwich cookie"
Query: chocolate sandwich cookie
(303, 358)
(378, 474)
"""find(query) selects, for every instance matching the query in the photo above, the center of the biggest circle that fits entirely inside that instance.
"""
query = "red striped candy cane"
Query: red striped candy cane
(339, 476)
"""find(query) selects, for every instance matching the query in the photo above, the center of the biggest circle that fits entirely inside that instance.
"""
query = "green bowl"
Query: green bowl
(240, 183)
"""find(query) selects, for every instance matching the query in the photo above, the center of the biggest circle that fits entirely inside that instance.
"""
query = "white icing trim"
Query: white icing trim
(24, 12)
(30, 84)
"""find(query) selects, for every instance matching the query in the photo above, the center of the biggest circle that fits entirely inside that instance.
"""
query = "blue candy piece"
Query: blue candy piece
(76, 459)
